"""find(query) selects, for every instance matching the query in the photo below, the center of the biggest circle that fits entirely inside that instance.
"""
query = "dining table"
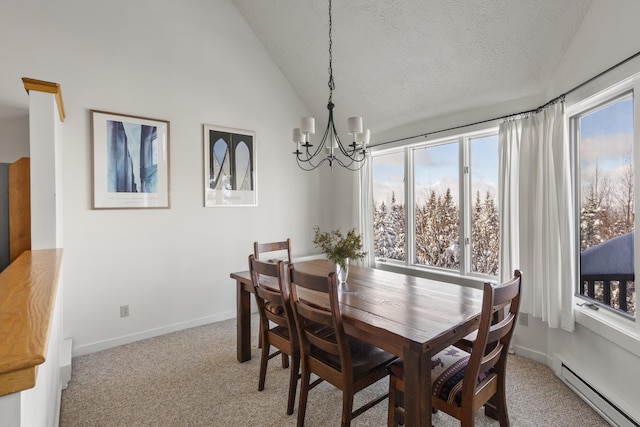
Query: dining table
(408, 316)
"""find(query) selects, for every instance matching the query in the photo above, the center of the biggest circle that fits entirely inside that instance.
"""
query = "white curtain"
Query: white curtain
(537, 213)
(364, 209)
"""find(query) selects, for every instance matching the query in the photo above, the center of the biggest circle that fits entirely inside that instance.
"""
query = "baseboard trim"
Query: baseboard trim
(533, 355)
(65, 363)
(592, 396)
(150, 333)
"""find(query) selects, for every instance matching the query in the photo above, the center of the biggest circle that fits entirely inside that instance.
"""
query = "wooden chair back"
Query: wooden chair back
(277, 327)
(484, 378)
(272, 295)
(325, 348)
(315, 302)
(490, 349)
(261, 248)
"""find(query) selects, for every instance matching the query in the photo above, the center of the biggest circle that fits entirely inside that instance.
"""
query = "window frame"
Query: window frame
(384, 152)
(577, 112)
(618, 328)
(463, 275)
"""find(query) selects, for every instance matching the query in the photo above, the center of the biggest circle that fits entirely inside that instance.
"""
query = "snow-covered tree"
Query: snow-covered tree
(437, 231)
(397, 229)
(389, 230)
(485, 236)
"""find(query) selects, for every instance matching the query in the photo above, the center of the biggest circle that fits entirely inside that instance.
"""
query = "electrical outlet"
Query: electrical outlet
(124, 311)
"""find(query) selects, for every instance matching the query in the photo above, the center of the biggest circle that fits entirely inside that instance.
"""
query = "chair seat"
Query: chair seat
(281, 331)
(447, 372)
(364, 357)
(319, 329)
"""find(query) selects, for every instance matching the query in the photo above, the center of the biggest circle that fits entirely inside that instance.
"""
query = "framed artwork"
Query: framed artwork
(130, 161)
(229, 167)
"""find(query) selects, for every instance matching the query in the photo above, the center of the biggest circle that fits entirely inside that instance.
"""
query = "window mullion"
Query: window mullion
(636, 178)
(410, 216)
(464, 211)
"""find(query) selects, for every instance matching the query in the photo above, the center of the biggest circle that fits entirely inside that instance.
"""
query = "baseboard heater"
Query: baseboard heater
(603, 406)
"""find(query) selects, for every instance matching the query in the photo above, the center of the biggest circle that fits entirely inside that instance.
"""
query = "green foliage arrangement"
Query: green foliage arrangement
(337, 247)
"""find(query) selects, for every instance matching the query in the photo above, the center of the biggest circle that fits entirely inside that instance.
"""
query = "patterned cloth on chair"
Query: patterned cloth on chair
(447, 372)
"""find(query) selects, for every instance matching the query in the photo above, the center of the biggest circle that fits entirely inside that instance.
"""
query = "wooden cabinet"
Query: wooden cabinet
(19, 208)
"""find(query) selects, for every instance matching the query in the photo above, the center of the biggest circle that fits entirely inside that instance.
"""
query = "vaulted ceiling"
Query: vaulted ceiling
(400, 61)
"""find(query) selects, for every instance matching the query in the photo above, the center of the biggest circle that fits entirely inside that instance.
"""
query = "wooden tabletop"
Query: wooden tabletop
(395, 305)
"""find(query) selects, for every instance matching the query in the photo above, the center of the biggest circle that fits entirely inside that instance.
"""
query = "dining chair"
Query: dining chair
(347, 363)
(261, 248)
(276, 322)
(276, 249)
(463, 382)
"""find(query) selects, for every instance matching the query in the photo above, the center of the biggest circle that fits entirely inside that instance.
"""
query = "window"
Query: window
(436, 205)
(485, 224)
(451, 204)
(388, 206)
(603, 135)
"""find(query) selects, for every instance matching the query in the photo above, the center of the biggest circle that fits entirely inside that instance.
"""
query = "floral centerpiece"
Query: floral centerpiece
(339, 248)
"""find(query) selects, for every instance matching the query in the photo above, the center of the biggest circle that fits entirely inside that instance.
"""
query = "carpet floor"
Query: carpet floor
(192, 378)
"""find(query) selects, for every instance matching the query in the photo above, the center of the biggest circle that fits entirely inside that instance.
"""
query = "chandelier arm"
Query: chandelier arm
(311, 166)
(309, 155)
(316, 152)
(354, 153)
(345, 152)
(352, 160)
(353, 165)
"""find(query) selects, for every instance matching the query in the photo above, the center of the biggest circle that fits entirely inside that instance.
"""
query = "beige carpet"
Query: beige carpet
(192, 378)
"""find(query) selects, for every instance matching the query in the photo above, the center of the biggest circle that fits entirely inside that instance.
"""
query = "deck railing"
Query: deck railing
(616, 291)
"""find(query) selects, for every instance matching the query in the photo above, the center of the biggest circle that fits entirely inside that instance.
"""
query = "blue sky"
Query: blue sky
(606, 138)
(437, 169)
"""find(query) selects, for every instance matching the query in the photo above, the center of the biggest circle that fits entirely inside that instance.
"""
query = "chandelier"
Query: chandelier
(331, 149)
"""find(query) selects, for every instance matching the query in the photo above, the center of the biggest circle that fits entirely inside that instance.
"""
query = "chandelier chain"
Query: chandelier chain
(332, 84)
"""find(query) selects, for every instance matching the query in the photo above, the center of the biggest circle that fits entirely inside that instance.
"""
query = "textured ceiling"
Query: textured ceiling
(400, 61)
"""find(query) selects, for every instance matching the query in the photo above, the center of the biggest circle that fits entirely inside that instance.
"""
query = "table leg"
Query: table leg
(417, 384)
(243, 317)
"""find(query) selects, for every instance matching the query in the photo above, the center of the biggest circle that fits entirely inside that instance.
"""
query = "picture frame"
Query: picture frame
(130, 161)
(230, 172)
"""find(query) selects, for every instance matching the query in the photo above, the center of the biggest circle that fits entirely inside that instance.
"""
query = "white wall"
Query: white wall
(190, 62)
(14, 132)
(608, 34)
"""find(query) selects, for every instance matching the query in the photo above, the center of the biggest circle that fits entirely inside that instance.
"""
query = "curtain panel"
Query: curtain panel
(363, 206)
(537, 213)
